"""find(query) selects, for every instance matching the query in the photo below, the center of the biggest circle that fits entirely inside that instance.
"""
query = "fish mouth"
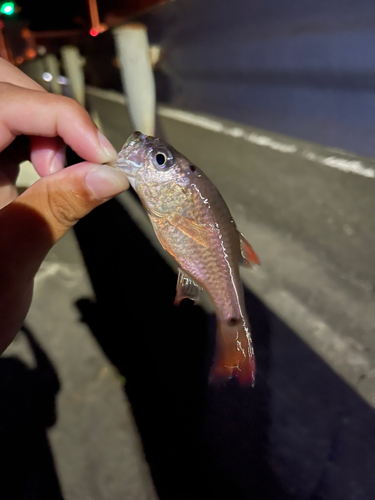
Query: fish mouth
(130, 157)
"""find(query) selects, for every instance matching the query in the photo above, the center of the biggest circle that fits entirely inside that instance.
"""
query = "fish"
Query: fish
(193, 224)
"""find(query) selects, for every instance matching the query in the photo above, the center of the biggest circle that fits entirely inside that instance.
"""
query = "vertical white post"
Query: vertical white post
(51, 64)
(137, 76)
(73, 66)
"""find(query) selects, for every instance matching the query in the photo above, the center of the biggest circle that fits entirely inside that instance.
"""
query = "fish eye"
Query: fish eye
(162, 158)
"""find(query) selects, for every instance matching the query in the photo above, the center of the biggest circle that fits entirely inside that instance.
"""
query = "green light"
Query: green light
(7, 8)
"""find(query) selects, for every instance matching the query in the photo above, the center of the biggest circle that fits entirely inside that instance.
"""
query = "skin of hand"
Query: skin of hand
(32, 222)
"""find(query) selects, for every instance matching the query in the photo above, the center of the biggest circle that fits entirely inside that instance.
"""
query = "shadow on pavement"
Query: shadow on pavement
(302, 433)
(27, 410)
(162, 352)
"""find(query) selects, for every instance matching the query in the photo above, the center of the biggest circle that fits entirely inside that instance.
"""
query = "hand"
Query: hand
(32, 222)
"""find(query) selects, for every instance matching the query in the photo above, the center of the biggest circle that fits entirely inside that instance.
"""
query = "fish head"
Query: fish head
(149, 161)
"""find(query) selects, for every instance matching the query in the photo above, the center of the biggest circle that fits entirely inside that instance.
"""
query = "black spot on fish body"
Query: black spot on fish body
(234, 321)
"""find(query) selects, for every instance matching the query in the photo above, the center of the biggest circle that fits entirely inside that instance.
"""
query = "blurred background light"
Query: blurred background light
(47, 77)
(7, 8)
(62, 80)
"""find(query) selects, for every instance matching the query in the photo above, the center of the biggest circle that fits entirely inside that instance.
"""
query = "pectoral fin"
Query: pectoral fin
(188, 226)
(186, 288)
(191, 228)
(249, 257)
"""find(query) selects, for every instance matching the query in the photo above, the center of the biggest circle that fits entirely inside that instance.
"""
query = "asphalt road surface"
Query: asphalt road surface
(66, 427)
(309, 219)
(306, 430)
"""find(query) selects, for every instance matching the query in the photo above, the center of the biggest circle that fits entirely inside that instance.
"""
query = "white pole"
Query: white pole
(73, 66)
(52, 66)
(137, 76)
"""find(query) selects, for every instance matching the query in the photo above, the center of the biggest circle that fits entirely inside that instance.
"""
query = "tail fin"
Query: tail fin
(234, 353)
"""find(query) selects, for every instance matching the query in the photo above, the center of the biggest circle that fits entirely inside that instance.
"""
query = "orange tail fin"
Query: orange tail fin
(234, 353)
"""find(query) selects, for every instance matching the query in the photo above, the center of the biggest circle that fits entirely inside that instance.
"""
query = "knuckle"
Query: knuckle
(64, 105)
(62, 207)
(70, 106)
(6, 90)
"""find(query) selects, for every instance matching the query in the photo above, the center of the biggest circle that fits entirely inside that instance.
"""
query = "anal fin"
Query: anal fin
(186, 288)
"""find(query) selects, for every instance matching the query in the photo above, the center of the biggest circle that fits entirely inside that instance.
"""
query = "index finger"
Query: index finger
(11, 74)
(30, 112)
(47, 154)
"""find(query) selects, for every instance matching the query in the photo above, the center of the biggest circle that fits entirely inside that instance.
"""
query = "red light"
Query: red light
(94, 32)
(30, 53)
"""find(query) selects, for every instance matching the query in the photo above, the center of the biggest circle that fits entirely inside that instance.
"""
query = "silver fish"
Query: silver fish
(194, 225)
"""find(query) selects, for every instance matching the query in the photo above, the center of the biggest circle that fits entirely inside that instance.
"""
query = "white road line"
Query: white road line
(262, 140)
(343, 162)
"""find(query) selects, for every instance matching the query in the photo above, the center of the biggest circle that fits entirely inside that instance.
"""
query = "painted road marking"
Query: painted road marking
(342, 161)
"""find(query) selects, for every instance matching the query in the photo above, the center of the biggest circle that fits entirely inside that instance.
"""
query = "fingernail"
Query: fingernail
(58, 161)
(105, 182)
(109, 152)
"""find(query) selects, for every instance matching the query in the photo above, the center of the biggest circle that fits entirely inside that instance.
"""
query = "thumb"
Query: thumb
(31, 224)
